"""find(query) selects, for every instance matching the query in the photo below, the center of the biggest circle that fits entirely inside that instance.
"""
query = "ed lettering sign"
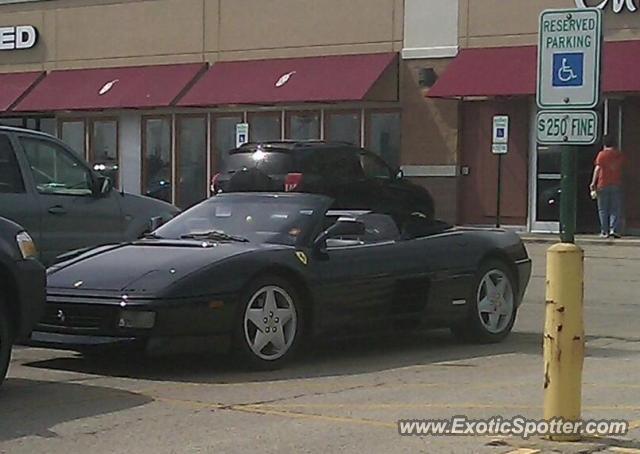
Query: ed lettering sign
(18, 37)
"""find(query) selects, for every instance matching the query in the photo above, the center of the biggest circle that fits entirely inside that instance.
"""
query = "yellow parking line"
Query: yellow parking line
(336, 419)
(524, 451)
(624, 450)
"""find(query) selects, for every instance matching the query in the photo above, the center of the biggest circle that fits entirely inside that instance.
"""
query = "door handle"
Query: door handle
(57, 210)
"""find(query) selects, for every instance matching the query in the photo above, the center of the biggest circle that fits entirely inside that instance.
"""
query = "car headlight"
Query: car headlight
(26, 245)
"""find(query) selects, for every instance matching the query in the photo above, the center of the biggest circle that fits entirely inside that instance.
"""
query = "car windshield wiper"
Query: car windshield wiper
(214, 235)
(151, 236)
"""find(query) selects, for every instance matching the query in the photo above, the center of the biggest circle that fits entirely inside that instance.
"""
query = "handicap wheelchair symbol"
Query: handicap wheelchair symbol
(568, 70)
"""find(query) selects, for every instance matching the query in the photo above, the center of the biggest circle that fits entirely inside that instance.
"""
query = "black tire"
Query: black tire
(473, 328)
(6, 340)
(245, 331)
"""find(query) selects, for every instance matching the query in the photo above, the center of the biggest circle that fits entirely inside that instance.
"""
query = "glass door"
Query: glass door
(546, 191)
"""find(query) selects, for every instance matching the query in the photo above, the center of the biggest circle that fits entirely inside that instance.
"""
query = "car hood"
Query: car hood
(142, 267)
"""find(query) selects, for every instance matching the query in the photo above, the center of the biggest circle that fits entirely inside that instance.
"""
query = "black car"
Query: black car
(352, 176)
(22, 288)
(262, 272)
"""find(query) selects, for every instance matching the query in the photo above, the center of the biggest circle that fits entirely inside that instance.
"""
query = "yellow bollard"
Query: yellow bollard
(564, 335)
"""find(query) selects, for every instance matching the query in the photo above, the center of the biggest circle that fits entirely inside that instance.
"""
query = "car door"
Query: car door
(73, 214)
(358, 278)
(16, 203)
(448, 258)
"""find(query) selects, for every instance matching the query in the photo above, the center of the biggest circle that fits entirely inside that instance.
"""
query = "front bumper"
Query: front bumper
(31, 281)
(78, 322)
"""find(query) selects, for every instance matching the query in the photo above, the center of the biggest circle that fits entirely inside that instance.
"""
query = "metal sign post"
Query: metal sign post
(569, 56)
(500, 147)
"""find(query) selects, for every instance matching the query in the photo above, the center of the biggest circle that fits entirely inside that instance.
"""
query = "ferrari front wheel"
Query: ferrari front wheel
(270, 325)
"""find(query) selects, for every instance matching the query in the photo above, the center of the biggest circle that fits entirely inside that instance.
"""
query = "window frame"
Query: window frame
(327, 121)
(144, 175)
(83, 120)
(90, 150)
(213, 155)
(267, 113)
(178, 151)
(367, 136)
(291, 113)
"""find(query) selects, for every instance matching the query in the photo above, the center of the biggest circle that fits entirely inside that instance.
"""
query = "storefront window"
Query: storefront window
(383, 135)
(343, 127)
(303, 125)
(264, 127)
(224, 138)
(48, 125)
(156, 158)
(15, 122)
(192, 161)
(72, 132)
(104, 148)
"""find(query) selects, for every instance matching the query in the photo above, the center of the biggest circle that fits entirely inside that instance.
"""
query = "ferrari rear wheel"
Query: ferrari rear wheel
(5, 341)
(493, 312)
(270, 325)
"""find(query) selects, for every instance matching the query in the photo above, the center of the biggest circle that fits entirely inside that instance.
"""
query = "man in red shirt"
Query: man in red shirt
(607, 182)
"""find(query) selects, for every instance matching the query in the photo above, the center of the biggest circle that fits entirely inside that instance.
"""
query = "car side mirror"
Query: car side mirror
(343, 227)
(399, 174)
(103, 186)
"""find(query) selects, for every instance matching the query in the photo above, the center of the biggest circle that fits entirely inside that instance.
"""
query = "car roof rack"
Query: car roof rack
(296, 144)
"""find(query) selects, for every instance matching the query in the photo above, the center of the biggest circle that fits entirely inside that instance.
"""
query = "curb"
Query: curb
(553, 239)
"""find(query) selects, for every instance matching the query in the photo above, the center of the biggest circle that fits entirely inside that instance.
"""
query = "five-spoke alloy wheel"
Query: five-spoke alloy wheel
(492, 306)
(271, 323)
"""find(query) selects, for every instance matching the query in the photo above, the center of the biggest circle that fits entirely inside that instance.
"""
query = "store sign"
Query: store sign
(19, 37)
(569, 57)
(618, 5)
(555, 127)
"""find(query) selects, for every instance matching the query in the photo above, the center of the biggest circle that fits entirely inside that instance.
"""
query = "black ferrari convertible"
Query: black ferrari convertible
(260, 273)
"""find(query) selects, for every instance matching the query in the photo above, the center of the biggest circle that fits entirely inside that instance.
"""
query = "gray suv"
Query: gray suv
(61, 202)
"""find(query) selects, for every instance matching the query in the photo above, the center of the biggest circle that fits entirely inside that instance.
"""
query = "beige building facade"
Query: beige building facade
(170, 149)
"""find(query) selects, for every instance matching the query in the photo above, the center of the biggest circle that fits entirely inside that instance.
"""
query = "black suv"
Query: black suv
(22, 288)
(354, 177)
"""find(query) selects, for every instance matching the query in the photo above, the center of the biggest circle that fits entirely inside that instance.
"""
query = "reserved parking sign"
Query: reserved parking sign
(569, 56)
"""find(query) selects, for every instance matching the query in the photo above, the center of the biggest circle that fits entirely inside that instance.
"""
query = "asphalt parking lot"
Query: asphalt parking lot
(342, 396)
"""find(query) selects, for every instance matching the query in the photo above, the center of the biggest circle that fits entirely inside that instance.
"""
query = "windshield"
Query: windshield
(258, 219)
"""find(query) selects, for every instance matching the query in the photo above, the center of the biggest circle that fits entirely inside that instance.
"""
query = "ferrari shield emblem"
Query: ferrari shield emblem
(302, 257)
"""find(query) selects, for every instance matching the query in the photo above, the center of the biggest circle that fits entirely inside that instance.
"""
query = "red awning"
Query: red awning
(309, 79)
(493, 71)
(111, 88)
(511, 71)
(15, 85)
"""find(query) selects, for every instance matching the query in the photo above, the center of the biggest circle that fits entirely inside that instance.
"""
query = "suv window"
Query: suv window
(10, 176)
(374, 167)
(55, 171)
(270, 162)
(337, 164)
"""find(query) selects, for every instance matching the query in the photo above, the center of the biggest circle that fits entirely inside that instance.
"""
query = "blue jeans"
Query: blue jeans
(610, 209)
